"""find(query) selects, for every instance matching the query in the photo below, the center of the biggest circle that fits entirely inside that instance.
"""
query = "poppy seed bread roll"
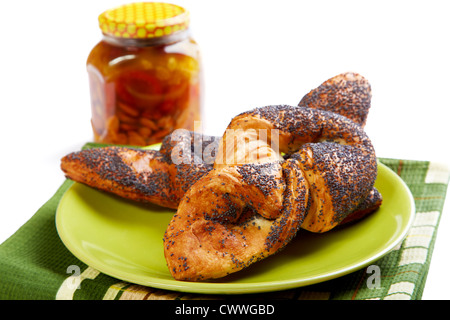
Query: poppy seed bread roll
(331, 169)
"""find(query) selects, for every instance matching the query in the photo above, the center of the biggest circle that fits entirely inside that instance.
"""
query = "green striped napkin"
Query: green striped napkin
(35, 264)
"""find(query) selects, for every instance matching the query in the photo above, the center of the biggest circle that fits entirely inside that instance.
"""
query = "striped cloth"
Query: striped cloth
(34, 263)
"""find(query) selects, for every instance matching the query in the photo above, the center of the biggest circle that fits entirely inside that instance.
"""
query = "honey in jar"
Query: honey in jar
(145, 74)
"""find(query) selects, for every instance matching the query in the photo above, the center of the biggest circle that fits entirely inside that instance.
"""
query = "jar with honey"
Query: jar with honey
(145, 74)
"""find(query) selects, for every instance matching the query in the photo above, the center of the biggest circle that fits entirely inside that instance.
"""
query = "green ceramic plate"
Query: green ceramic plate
(124, 239)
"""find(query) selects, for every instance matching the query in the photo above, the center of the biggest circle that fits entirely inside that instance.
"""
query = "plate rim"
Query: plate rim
(235, 288)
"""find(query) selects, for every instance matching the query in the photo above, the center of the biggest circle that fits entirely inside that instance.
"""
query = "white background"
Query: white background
(255, 53)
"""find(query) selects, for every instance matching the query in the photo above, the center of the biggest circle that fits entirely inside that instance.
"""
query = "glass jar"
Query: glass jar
(145, 74)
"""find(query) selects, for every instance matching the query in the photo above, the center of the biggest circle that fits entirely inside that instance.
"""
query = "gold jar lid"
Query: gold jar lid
(144, 20)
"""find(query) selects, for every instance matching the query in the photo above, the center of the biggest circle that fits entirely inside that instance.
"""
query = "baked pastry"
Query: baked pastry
(224, 222)
(142, 175)
(277, 169)
(238, 214)
(348, 94)
(368, 206)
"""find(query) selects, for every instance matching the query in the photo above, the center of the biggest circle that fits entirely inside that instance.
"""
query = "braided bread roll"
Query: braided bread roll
(264, 197)
(253, 202)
